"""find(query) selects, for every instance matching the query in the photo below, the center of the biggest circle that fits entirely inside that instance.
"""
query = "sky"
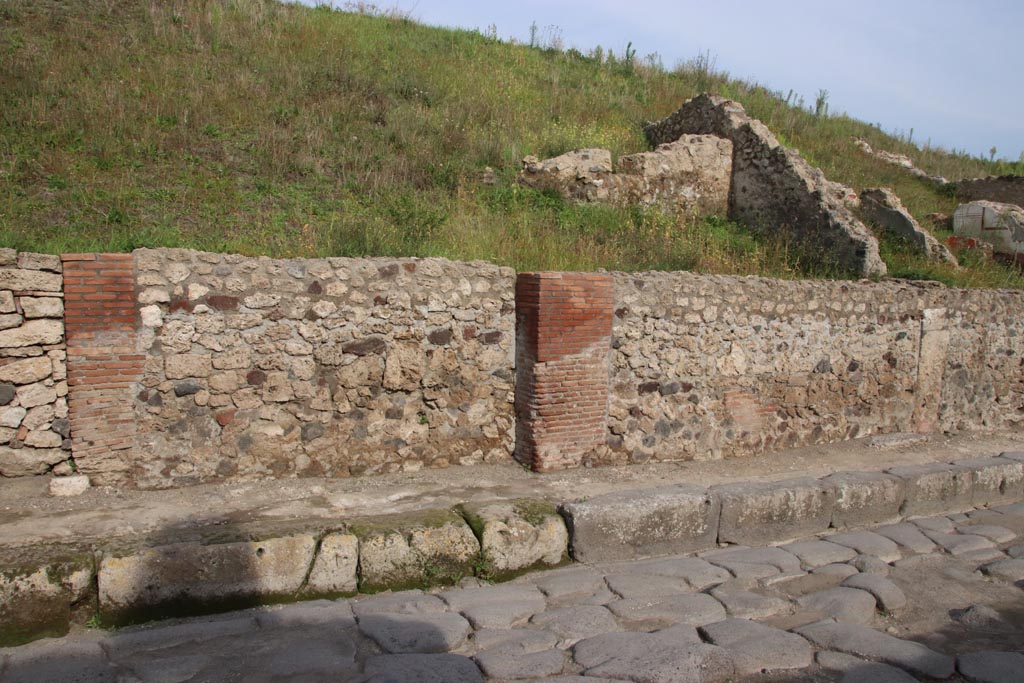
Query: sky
(951, 70)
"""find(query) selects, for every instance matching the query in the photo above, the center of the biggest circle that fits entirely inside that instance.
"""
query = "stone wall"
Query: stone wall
(34, 425)
(774, 189)
(714, 366)
(269, 368)
(1008, 189)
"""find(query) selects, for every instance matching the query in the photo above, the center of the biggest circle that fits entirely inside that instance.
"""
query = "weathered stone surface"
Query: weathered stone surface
(995, 481)
(401, 602)
(437, 668)
(651, 658)
(188, 365)
(866, 642)
(572, 583)
(1007, 570)
(887, 594)
(496, 606)
(416, 633)
(80, 661)
(819, 553)
(734, 558)
(866, 498)
(868, 543)
(774, 188)
(42, 307)
(190, 574)
(774, 511)
(626, 525)
(1001, 225)
(33, 333)
(988, 666)
(845, 605)
(35, 601)
(334, 569)
(27, 370)
(697, 572)
(332, 614)
(755, 648)
(572, 624)
(21, 279)
(694, 609)
(745, 604)
(959, 544)
(907, 536)
(634, 585)
(935, 488)
(994, 533)
(519, 535)
(504, 664)
(436, 546)
(515, 640)
(873, 672)
(883, 208)
(19, 462)
(33, 261)
(74, 485)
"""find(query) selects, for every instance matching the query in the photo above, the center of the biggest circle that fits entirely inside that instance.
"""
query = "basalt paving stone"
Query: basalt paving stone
(598, 649)
(958, 544)
(160, 636)
(1016, 552)
(887, 594)
(818, 553)
(874, 672)
(572, 624)
(871, 644)
(439, 668)
(755, 647)
(664, 657)
(907, 536)
(329, 613)
(570, 584)
(513, 640)
(645, 585)
(982, 556)
(991, 666)
(775, 557)
(571, 679)
(698, 573)
(505, 664)
(1011, 570)
(869, 564)
(500, 614)
(841, 570)
(812, 583)
(868, 543)
(59, 661)
(416, 633)
(404, 602)
(937, 523)
(847, 605)
(745, 604)
(693, 609)
(994, 533)
(528, 596)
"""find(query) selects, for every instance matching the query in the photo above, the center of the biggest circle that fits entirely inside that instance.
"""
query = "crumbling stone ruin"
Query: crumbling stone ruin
(901, 160)
(1000, 225)
(883, 208)
(773, 188)
(690, 175)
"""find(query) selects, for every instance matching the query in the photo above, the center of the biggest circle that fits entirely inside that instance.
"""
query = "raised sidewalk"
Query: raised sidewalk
(121, 556)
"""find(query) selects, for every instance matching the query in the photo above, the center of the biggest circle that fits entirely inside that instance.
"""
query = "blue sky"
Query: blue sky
(953, 71)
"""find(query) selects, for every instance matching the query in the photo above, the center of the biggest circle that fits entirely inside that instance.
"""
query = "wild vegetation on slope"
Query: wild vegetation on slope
(259, 127)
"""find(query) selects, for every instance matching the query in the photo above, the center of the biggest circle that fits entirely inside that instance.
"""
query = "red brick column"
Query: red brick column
(563, 336)
(103, 362)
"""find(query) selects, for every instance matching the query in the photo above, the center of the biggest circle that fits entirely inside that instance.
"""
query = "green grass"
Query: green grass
(255, 127)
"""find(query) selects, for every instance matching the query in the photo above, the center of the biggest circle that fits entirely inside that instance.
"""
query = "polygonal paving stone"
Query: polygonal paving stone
(571, 624)
(887, 594)
(460, 599)
(993, 532)
(990, 666)
(872, 644)
(441, 668)
(983, 556)
(1011, 570)
(868, 543)
(745, 604)
(841, 570)
(958, 544)
(645, 585)
(570, 584)
(847, 605)
(650, 613)
(57, 661)
(938, 523)
(655, 658)
(415, 633)
(698, 573)
(755, 647)
(515, 640)
(819, 553)
(403, 602)
(775, 557)
(874, 672)
(330, 613)
(1016, 552)
(504, 664)
(869, 564)
(907, 536)
(598, 649)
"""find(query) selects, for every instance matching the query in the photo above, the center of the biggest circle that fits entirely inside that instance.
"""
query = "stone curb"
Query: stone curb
(122, 584)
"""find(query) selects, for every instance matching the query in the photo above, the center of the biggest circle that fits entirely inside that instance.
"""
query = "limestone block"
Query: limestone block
(12, 416)
(27, 370)
(187, 365)
(42, 307)
(631, 524)
(405, 551)
(755, 514)
(10, 320)
(994, 481)
(33, 333)
(885, 209)
(519, 535)
(935, 488)
(35, 601)
(1001, 225)
(74, 485)
(32, 395)
(866, 498)
(40, 438)
(20, 279)
(7, 302)
(334, 569)
(19, 462)
(32, 261)
(193, 576)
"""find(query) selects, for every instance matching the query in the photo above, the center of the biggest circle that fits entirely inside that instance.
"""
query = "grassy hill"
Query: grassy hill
(262, 128)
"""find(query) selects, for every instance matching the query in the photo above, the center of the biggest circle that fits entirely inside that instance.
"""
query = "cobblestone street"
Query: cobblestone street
(935, 598)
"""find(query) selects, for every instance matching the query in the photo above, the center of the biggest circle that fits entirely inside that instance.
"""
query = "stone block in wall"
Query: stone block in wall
(335, 567)
(866, 499)
(881, 206)
(37, 598)
(632, 524)
(518, 535)
(994, 481)
(773, 512)
(935, 488)
(1001, 225)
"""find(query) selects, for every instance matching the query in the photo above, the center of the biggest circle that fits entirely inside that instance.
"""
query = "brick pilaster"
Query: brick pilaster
(103, 362)
(563, 336)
